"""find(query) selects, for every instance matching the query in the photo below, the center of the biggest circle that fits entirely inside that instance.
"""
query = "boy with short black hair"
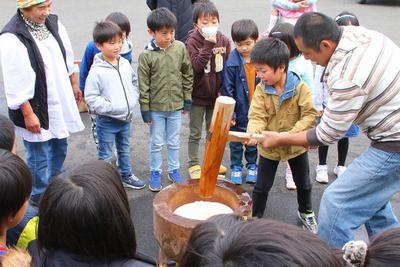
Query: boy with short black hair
(7, 134)
(239, 82)
(15, 188)
(111, 93)
(208, 50)
(165, 81)
(282, 102)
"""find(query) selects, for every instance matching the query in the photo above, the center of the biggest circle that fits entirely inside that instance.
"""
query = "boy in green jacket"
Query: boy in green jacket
(282, 102)
(165, 83)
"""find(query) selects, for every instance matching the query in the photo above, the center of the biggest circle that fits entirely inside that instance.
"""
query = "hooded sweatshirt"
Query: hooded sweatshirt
(208, 60)
(112, 91)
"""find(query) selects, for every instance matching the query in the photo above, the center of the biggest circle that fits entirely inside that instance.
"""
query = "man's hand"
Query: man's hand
(32, 123)
(272, 139)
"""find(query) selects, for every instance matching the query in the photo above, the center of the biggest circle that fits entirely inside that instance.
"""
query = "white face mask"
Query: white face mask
(208, 31)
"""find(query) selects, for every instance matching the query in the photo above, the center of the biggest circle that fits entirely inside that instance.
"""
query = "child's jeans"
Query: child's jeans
(236, 148)
(110, 130)
(265, 179)
(165, 129)
(197, 115)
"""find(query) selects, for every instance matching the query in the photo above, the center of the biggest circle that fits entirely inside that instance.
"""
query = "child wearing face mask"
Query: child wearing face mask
(208, 50)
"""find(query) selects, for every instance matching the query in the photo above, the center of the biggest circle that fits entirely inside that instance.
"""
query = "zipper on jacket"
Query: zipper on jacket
(123, 87)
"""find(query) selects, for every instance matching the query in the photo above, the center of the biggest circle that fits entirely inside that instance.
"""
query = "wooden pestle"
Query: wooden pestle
(215, 145)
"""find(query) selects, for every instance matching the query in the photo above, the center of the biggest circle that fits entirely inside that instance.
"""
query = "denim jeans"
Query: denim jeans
(197, 116)
(236, 148)
(45, 160)
(165, 128)
(110, 130)
(361, 195)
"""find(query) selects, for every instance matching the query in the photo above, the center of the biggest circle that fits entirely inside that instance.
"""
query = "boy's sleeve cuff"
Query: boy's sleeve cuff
(187, 105)
(146, 115)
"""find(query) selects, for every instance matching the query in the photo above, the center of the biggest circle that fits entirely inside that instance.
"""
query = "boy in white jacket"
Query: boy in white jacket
(111, 93)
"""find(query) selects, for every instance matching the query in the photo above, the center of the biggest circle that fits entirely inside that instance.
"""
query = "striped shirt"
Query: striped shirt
(363, 77)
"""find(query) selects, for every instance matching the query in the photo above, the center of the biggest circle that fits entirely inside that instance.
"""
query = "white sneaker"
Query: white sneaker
(289, 179)
(322, 174)
(339, 170)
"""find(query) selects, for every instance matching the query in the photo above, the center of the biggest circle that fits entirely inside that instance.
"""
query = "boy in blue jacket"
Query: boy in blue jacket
(240, 82)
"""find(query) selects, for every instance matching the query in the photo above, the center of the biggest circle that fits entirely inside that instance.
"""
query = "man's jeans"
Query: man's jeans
(165, 128)
(45, 160)
(110, 130)
(359, 196)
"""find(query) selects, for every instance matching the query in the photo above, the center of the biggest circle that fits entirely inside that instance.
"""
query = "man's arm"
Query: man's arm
(32, 122)
(275, 139)
(75, 87)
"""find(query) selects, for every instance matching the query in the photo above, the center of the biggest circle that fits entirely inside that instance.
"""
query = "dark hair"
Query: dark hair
(7, 133)
(15, 183)
(346, 18)
(272, 52)
(244, 29)
(105, 31)
(204, 8)
(257, 242)
(384, 249)
(86, 211)
(161, 18)
(121, 20)
(284, 32)
(313, 27)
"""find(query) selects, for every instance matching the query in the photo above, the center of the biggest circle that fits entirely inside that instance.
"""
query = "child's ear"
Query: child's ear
(99, 46)
(151, 32)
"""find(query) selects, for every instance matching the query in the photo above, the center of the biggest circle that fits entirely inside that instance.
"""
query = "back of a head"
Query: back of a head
(104, 31)
(15, 184)
(7, 133)
(86, 211)
(346, 18)
(204, 8)
(258, 242)
(384, 249)
(121, 20)
(243, 29)
(161, 18)
(313, 27)
(272, 52)
(284, 32)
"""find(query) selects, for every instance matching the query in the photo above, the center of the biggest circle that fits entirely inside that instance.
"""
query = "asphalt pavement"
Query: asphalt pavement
(79, 18)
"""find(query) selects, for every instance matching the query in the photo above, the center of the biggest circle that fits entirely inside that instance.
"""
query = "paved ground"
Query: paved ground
(79, 18)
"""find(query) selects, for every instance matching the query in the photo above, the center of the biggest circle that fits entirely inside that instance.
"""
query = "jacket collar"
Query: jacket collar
(152, 46)
(235, 59)
(290, 90)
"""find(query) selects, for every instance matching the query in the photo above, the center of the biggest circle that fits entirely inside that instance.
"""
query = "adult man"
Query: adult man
(38, 72)
(363, 75)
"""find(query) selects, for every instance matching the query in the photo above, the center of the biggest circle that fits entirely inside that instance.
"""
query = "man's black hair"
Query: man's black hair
(284, 32)
(313, 27)
(161, 18)
(105, 31)
(204, 8)
(272, 52)
(243, 29)
(7, 133)
(15, 184)
(121, 20)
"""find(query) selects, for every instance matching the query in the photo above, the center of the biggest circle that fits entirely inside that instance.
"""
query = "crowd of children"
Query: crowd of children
(275, 89)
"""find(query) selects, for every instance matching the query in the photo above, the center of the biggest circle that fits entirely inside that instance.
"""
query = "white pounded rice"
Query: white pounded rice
(202, 210)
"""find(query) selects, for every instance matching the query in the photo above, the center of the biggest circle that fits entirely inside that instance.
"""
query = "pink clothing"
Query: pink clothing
(287, 13)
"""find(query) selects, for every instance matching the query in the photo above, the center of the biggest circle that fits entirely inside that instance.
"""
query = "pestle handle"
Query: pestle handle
(215, 145)
(243, 137)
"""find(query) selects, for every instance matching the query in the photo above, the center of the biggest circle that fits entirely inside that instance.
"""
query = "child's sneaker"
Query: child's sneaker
(155, 181)
(251, 176)
(194, 172)
(322, 174)
(222, 170)
(133, 182)
(308, 220)
(236, 175)
(339, 170)
(289, 179)
(175, 176)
